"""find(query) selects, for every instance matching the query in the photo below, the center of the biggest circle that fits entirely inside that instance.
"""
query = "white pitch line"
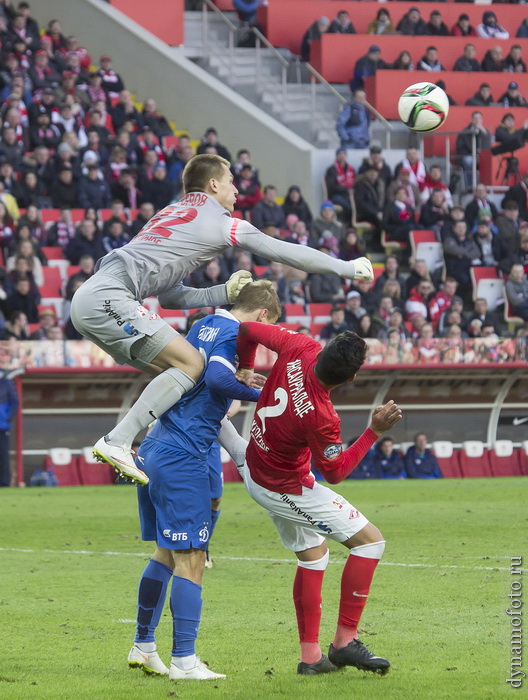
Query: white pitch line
(282, 561)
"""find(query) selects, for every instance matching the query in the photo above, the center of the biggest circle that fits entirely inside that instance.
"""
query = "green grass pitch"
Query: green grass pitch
(70, 560)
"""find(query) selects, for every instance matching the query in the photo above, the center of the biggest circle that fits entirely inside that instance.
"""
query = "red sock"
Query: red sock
(307, 598)
(355, 584)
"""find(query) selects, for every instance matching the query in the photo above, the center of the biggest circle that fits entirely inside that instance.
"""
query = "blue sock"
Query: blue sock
(186, 608)
(215, 514)
(151, 599)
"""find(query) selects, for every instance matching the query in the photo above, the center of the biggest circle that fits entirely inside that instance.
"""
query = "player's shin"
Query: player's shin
(186, 608)
(158, 396)
(355, 585)
(151, 600)
(307, 599)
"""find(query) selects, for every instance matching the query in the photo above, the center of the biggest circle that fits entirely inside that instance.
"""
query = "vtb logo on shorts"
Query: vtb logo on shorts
(175, 536)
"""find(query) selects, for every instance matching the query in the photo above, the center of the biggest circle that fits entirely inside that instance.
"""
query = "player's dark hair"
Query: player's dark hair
(200, 169)
(341, 359)
(259, 295)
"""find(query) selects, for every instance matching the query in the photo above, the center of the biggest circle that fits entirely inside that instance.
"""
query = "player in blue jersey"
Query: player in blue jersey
(175, 506)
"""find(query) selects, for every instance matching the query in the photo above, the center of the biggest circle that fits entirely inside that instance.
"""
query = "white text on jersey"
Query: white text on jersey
(301, 402)
(207, 335)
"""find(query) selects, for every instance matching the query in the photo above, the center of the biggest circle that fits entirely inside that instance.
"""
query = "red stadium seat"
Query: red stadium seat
(53, 252)
(504, 460)
(64, 466)
(488, 286)
(290, 326)
(49, 216)
(260, 270)
(92, 472)
(320, 312)
(174, 317)
(237, 214)
(447, 459)
(72, 270)
(294, 309)
(391, 246)
(77, 214)
(315, 329)
(52, 282)
(474, 459)
(169, 143)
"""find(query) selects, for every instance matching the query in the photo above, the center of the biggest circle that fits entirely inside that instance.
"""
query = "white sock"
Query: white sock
(157, 397)
(147, 647)
(184, 663)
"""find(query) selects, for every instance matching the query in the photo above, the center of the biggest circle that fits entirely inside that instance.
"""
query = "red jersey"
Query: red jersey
(295, 420)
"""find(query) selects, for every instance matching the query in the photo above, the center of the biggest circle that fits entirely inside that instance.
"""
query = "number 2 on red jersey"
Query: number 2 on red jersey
(184, 216)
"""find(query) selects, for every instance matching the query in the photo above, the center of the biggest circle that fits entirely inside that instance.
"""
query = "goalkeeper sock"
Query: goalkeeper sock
(157, 397)
(186, 608)
(151, 599)
(215, 514)
(307, 599)
(355, 585)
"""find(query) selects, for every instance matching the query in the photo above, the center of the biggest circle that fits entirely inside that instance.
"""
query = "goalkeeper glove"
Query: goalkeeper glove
(363, 270)
(236, 283)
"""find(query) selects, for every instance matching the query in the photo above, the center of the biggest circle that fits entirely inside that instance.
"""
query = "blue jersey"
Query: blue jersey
(193, 423)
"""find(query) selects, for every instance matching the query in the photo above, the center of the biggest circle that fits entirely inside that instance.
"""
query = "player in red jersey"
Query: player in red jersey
(294, 423)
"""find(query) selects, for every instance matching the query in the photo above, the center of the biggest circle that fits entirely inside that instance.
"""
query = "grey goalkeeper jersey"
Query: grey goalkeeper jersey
(183, 236)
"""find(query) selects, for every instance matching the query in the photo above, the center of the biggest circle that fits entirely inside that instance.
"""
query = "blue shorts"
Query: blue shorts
(216, 477)
(175, 506)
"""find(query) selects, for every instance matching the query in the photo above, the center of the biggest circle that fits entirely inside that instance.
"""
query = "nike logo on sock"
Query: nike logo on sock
(359, 595)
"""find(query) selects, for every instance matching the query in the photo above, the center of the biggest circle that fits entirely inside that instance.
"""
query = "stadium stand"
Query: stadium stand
(64, 465)
(474, 459)
(504, 460)
(447, 459)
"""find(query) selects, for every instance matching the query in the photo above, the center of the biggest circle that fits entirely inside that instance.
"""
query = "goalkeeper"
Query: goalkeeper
(108, 308)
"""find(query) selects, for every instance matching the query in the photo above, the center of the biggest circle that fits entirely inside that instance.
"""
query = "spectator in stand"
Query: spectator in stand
(366, 66)
(112, 83)
(517, 292)
(149, 142)
(45, 104)
(514, 61)
(145, 214)
(353, 310)
(87, 241)
(412, 24)
(490, 29)
(42, 74)
(492, 248)
(421, 300)
(436, 26)
(16, 327)
(314, 32)
(390, 272)
(370, 197)
(368, 327)
(211, 139)
(117, 162)
(25, 300)
(243, 157)
(26, 250)
(368, 296)
(339, 180)
(267, 212)
(9, 180)
(413, 162)
(60, 233)
(419, 272)
(342, 24)
(461, 253)
(420, 462)
(95, 148)
(92, 191)
(11, 149)
(215, 272)
(155, 120)
(456, 214)
(382, 24)
(47, 320)
(350, 247)
(403, 62)
(376, 160)
(248, 188)
(116, 237)
(247, 10)
(95, 90)
(463, 27)
(86, 270)
(520, 258)
(443, 300)
(32, 191)
(324, 288)
(336, 325)
(294, 203)
(118, 214)
(482, 98)
(519, 193)
(63, 189)
(160, 191)
(300, 234)
(33, 219)
(454, 314)
(44, 133)
(96, 122)
(480, 201)
(385, 461)
(125, 111)
(398, 219)
(464, 144)
(387, 304)
(430, 61)
(522, 32)
(21, 271)
(126, 191)
(434, 211)
(353, 124)
(512, 97)
(493, 60)
(68, 87)
(468, 61)
(403, 179)
(433, 181)
(486, 317)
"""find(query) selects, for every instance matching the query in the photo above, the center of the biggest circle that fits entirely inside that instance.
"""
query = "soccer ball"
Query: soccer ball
(423, 107)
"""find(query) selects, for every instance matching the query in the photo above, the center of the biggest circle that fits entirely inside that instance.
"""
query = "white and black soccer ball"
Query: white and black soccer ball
(423, 107)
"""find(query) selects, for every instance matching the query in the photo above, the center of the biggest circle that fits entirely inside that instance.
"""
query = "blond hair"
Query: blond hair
(200, 169)
(259, 295)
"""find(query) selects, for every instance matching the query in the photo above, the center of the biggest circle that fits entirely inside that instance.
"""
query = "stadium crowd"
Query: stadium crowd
(83, 167)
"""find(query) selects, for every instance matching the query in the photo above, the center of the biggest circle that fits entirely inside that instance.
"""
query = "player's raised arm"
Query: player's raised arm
(182, 297)
(246, 236)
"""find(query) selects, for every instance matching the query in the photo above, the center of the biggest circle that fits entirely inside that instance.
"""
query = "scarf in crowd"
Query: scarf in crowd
(418, 173)
(410, 194)
(404, 214)
(345, 178)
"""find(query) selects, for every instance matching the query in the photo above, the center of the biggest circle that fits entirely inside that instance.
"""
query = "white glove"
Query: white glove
(237, 282)
(363, 270)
